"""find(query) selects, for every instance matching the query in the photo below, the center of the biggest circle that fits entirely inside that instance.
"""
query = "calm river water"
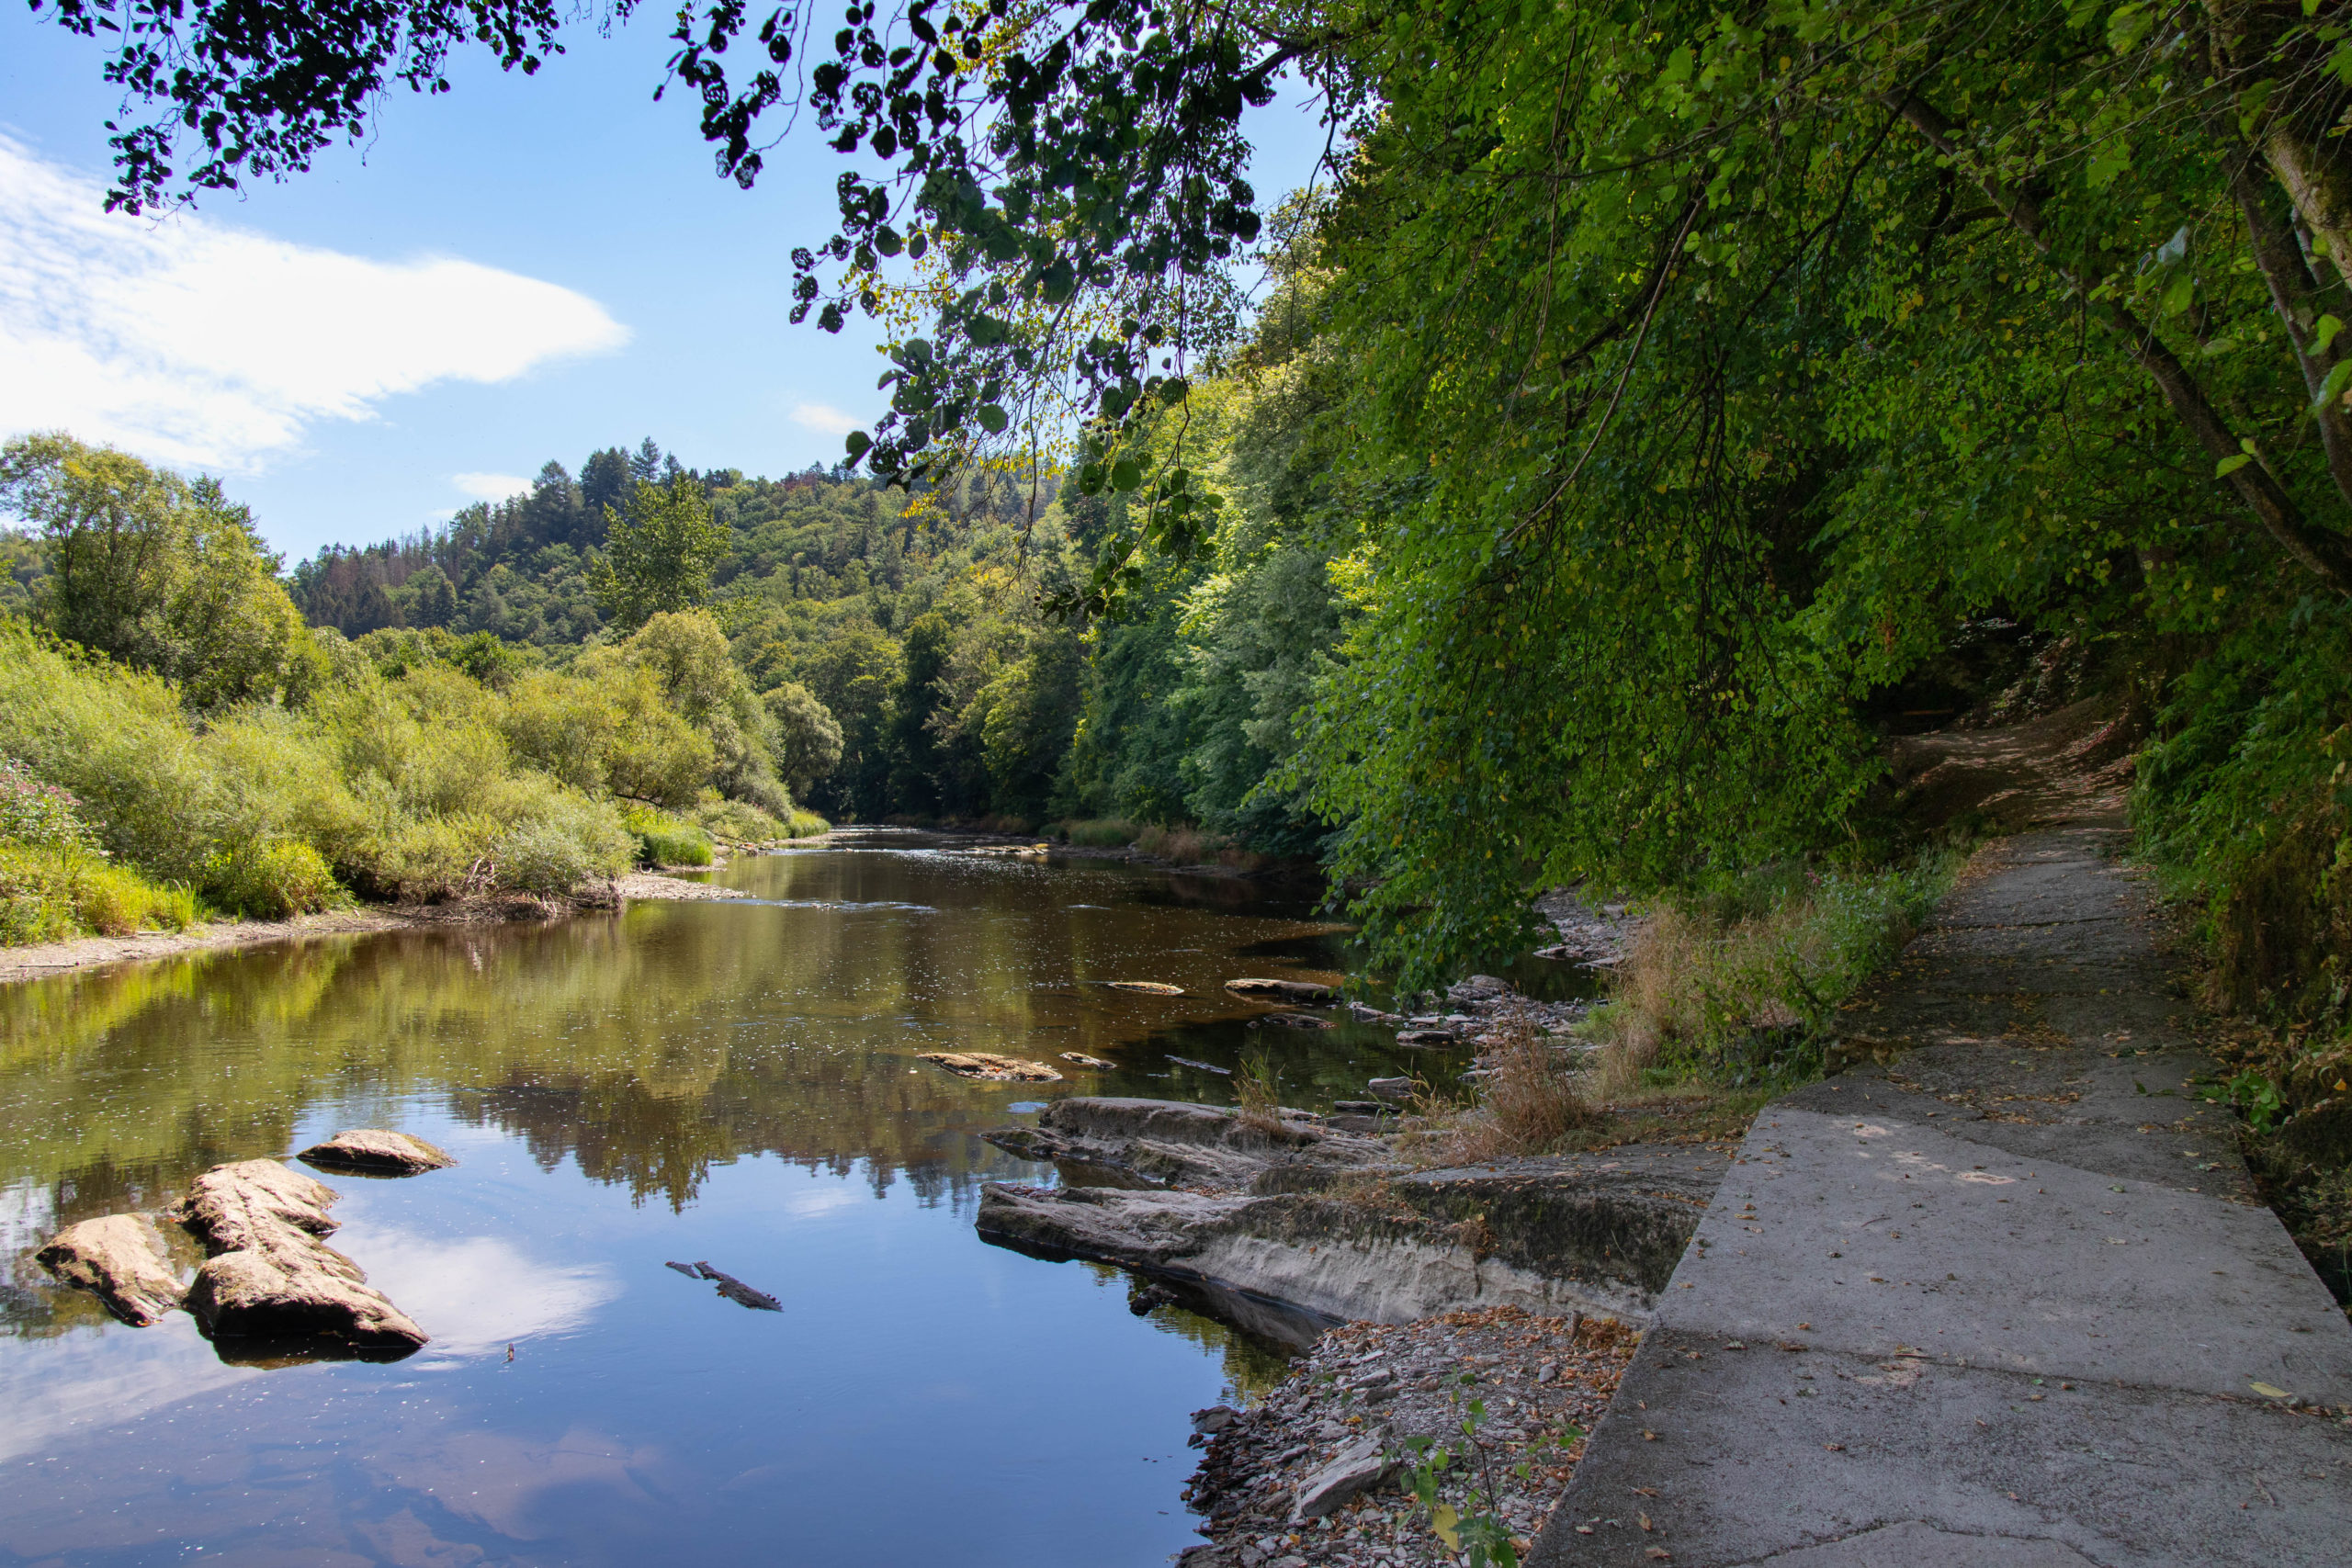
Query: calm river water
(734, 1082)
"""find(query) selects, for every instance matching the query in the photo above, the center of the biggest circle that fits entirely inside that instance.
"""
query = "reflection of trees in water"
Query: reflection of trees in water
(647, 1048)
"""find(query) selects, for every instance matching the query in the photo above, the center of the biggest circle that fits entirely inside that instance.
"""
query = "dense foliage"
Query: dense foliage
(1658, 388)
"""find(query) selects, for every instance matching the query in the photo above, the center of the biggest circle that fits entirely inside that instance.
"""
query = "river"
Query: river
(734, 1082)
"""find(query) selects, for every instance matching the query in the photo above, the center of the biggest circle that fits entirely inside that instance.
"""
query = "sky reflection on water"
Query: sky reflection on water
(733, 1082)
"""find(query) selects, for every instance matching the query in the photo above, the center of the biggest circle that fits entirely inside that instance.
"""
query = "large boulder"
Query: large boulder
(270, 1276)
(119, 1259)
(370, 1150)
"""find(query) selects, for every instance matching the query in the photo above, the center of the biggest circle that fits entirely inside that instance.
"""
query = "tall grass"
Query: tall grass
(50, 894)
(1736, 986)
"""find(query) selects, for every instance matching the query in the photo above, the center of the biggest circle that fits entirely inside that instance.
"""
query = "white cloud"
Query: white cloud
(475, 1294)
(491, 487)
(824, 417)
(189, 341)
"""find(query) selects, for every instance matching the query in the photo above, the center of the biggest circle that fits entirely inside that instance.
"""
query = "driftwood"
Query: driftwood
(119, 1259)
(734, 1290)
(989, 1067)
(1304, 992)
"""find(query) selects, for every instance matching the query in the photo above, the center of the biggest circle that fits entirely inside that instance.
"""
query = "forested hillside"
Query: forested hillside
(915, 620)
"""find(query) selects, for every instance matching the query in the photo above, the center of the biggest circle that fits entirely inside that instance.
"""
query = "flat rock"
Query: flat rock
(374, 1152)
(986, 1066)
(1148, 987)
(1172, 1143)
(1279, 990)
(1083, 1060)
(1297, 1020)
(1356, 1469)
(119, 1259)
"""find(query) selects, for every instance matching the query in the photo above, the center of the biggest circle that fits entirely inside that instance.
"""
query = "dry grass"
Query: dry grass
(1739, 988)
(1529, 1102)
(1256, 1092)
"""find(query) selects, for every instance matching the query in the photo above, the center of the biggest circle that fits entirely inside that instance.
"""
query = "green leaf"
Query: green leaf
(2324, 333)
(2332, 388)
(2179, 294)
(1126, 474)
(2126, 25)
(2112, 159)
(2228, 466)
(993, 419)
(859, 444)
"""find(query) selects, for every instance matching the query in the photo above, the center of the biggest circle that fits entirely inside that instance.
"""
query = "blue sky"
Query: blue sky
(520, 269)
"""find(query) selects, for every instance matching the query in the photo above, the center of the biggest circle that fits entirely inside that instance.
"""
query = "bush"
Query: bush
(1101, 832)
(551, 857)
(47, 894)
(272, 878)
(806, 824)
(32, 812)
(663, 840)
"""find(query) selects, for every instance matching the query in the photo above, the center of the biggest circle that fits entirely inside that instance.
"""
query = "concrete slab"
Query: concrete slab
(2001, 1294)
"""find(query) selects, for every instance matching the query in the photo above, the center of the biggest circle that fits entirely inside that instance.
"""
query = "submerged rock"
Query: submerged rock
(1395, 1090)
(119, 1259)
(1298, 1020)
(1083, 1060)
(1308, 992)
(1148, 987)
(373, 1152)
(1170, 1143)
(271, 1277)
(986, 1066)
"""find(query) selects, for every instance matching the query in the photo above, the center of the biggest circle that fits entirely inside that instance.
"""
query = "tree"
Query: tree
(808, 737)
(659, 557)
(162, 573)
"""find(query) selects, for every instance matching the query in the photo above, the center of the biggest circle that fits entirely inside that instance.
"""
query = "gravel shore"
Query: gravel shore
(1531, 1387)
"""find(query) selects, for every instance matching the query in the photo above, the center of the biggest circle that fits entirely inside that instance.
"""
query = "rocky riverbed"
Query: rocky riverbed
(1320, 1473)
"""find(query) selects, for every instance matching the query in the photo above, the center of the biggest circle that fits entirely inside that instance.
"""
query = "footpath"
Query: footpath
(2000, 1293)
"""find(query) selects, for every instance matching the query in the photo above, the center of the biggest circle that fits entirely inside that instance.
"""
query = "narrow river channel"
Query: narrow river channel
(734, 1082)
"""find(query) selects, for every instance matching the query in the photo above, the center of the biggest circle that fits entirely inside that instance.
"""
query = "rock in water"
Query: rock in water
(1083, 1060)
(1148, 987)
(373, 1152)
(1298, 1020)
(1307, 992)
(229, 1206)
(1359, 1467)
(120, 1260)
(270, 1276)
(989, 1067)
(298, 1292)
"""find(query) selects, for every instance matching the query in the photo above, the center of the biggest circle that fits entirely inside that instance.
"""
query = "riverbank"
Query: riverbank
(39, 960)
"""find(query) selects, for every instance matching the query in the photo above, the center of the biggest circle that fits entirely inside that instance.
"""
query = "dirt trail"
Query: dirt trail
(1999, 1293)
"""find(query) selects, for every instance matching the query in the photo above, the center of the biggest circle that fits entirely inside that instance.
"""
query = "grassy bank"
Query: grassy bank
(1726, 997)
(402, 780)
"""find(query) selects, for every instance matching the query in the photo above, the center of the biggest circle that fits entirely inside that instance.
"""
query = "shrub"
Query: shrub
(1101, 832)
(807, 824)
(1526, 1102)
(50, 893)
(271, 877)
(551, 858)
(32, 812)
(740, 822)
(663, 840)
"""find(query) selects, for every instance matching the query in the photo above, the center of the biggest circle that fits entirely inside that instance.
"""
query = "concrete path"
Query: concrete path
(1998, 1294)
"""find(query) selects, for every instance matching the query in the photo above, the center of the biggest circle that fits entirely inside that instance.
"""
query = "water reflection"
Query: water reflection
(731, 1081)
